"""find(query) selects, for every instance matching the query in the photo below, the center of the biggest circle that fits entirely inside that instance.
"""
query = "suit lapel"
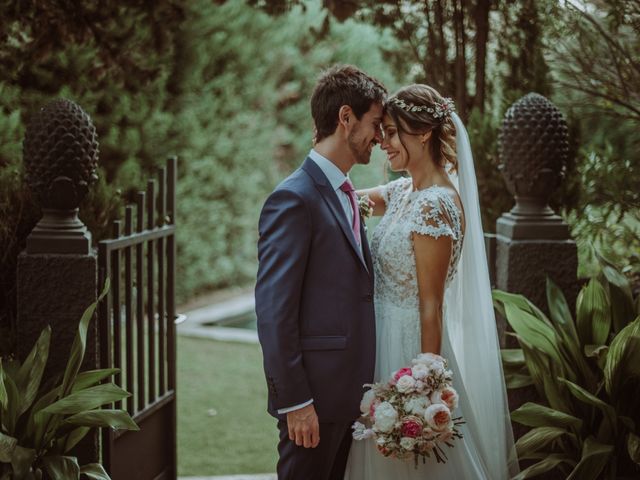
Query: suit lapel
(331, 199)
(365, 247)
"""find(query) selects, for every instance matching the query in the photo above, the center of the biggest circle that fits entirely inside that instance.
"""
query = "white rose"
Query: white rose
(407, 443)
(366, 402)
(427, 359)
(417, 405)
(361, 432)
(381, 440)
(419, 371)
(385, 417)
(438, 417)
(437, 369)
(405, 384)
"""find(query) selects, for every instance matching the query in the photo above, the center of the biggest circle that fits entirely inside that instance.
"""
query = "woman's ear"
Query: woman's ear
(424, 138)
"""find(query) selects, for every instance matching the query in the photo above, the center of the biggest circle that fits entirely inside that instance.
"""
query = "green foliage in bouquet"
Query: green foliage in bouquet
(587, 371)
(38, 428)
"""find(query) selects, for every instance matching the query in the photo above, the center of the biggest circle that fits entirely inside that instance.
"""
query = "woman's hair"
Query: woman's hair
(417, 109)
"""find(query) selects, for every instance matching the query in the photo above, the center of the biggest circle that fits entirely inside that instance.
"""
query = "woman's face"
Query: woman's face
(396, 153)
(403, 154)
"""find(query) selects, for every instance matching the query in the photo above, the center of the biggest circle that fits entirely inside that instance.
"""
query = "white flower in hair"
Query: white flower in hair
(439, 109)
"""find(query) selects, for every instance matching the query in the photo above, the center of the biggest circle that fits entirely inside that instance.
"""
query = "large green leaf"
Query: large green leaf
(593, 314)
(622, 311)
(3, 389)
(87, 399)
(594, 458)
(9, 413)
(35, 430)
(619, 350)
(538, 438)
(564, 324)
(633, 447)
(517, 380)
(512, 356)
(556, 395)
(61, 467)
(588, 398)
(7, 445)
(92, 377)
(22, 460)
(536, 415)
(118, 419)
(74, 437)
(537, 364)
(95, 471)
(79, 344)
(560, 312)
(536, 332)
(503, 298)
(549, 463)
(30, 373)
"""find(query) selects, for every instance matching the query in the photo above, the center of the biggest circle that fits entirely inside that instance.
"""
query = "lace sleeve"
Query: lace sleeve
(390, 190)
(430, 217)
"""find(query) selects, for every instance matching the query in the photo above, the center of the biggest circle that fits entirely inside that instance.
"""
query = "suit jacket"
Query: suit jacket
(314, 299)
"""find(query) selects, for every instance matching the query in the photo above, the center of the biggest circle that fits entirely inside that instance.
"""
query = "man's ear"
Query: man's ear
(345, 116)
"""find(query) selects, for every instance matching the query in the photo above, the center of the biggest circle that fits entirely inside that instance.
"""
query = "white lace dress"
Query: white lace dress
(433, 212)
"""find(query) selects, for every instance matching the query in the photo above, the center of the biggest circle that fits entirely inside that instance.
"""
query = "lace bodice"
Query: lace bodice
(431, 211)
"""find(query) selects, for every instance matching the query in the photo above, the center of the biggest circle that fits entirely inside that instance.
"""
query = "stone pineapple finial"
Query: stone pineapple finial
(60, 152)
(533, 149)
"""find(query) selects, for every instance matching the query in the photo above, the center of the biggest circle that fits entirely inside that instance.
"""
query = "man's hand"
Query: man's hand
(304, 428)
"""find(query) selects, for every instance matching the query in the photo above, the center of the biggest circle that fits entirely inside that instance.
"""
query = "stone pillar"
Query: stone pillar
(57, 273)
(532, 241)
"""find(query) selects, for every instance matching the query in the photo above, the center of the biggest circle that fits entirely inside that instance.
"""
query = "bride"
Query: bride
(432, 291)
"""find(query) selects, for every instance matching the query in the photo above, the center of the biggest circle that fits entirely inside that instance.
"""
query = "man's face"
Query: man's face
(366, 134)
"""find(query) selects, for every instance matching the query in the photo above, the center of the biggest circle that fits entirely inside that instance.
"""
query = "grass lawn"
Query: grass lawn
(223, 425)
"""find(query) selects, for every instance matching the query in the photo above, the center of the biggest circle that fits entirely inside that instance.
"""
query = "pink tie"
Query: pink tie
(347, 187)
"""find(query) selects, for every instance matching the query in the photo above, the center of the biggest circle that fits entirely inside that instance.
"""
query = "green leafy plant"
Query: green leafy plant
(39, 428)
(586, 370)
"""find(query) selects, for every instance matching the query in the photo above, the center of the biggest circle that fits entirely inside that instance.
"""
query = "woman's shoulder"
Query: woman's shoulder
(437, 205)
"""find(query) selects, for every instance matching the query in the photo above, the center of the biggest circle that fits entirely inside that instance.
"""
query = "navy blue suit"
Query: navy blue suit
(314, 303)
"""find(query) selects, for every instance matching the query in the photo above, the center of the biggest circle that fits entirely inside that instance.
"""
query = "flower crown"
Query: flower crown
(439, 110)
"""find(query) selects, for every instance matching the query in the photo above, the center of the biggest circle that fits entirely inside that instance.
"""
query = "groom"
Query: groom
(314, 292)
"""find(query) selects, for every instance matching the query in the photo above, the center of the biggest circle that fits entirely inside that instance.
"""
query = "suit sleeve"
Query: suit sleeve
(283, 250)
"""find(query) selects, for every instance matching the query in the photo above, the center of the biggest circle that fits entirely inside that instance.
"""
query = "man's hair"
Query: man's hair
(342, 85)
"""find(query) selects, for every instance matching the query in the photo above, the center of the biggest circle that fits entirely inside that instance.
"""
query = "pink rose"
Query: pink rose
(411, 429)
(401, 373)
(372, 407)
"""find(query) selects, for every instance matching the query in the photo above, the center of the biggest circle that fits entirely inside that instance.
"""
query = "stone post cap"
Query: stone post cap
(533, 149)
(60, 152)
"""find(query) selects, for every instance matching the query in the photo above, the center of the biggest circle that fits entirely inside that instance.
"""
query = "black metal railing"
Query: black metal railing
(138, 337)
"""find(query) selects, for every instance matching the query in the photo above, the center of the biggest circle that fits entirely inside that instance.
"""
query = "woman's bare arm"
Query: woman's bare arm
(432, 263)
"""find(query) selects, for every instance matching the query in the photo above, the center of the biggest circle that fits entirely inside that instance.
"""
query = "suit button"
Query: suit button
(368, 298)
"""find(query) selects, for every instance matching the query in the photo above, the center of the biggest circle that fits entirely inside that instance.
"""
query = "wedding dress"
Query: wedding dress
(469, 338)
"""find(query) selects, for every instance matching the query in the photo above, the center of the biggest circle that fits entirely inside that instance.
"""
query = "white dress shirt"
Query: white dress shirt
(336, 179)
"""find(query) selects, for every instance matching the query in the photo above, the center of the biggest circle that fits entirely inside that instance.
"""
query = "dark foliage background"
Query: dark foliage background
(225, 86)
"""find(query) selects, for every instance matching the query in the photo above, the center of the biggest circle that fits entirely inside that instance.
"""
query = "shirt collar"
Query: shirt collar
(331, 171)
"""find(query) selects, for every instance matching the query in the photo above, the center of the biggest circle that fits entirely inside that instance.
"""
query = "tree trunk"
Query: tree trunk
(460, 64)
(481, 17)
(441, 48)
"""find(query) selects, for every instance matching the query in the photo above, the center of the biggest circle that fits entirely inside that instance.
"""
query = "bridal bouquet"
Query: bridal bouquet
(410, 415)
